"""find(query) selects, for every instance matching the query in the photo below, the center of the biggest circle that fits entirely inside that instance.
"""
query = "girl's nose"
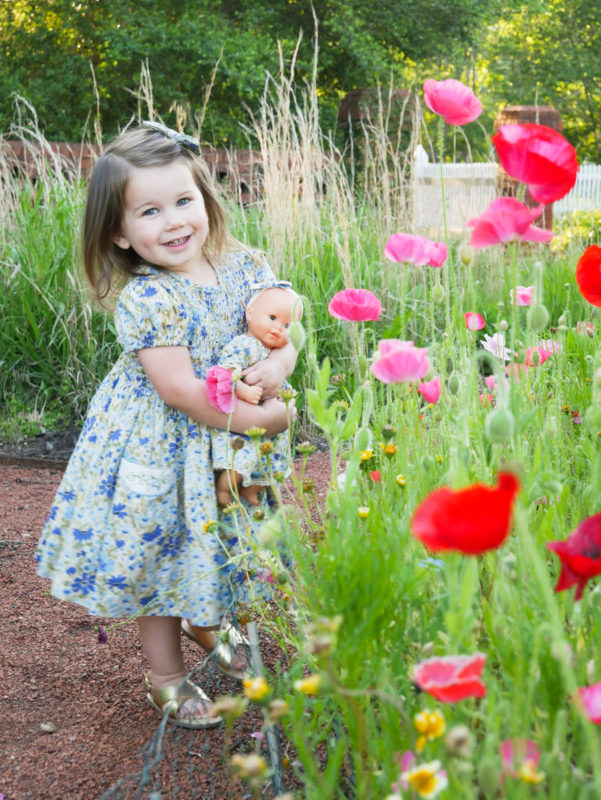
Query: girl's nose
(174, 220)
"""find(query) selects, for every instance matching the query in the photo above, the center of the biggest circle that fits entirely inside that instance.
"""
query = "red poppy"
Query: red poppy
(588, 274)
(471, 520)
(539, 157)
(580, 556)
(375, 475)
(451, 678)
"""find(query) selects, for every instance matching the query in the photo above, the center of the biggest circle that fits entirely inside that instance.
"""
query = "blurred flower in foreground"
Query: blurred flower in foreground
(585, 328)
(451, 678)
(591, 699)
(308, 685)
(535, 356)
(474, 321)
(507, 220)
(538, 156)
(430, 390)
(255, 688)
(588, 275)
(355, 305)
(580, 556)
(470, 520)
(397, 361)
(428, 780)
(430, 725)
(452, 100)
(522, 295)
(417, 250)
(495, 345)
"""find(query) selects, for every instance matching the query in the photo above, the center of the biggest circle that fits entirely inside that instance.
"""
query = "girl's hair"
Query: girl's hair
(140, 147)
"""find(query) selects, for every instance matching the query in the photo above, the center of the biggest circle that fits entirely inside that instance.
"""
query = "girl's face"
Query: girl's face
(165, 219)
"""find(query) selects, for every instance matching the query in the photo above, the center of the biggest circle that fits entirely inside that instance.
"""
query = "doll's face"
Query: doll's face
(269, 316)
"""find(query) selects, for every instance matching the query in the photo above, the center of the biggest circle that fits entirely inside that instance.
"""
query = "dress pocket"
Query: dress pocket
(144, 480)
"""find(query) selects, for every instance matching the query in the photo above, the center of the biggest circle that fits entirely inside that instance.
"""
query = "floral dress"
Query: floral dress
(257, 470)
(133, 524)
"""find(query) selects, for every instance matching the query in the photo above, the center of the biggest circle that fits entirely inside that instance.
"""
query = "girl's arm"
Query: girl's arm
(170, 371)
(271, 373)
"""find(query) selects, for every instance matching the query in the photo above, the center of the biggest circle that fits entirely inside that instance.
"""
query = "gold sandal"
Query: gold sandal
(171, 699)
(229, 643)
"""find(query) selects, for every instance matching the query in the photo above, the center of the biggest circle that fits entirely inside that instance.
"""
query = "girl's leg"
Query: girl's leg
(207, 638)
(161, 642)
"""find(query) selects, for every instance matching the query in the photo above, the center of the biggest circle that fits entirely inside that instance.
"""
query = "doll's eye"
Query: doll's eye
(287, 325)
(272, 316)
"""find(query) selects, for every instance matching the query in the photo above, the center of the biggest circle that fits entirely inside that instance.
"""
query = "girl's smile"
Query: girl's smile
(165, 221)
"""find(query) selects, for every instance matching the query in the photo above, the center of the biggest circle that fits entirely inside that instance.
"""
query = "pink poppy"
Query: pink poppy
(400, 362)
(515, 751)
(544, 355)
(430, 390)
(522, 295)
(451, 678)
(355, 305)
(452, 100)
(591, 698)
(219, 389)
(490, 381)
(474, 321)
(417, 250)
(538, 156)
(517, 371)
(549, 344)
(375, 475)
(506, 220)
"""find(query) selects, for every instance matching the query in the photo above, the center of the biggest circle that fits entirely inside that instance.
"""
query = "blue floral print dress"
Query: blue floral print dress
(241, 352)
(132, 526)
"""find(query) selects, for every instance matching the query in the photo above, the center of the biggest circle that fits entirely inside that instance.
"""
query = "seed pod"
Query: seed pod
(488, 777)
(466, 254)
(454, 384)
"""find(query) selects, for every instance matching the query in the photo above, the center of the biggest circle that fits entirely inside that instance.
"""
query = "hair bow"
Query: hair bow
(181, 138)
(258, 287)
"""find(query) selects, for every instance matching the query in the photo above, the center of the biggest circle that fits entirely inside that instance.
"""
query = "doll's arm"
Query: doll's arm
(252, 394)
(271, 373)
(171, 372)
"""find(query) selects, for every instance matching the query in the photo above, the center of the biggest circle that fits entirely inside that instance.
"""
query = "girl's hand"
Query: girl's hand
(277, 416)
(271, 373)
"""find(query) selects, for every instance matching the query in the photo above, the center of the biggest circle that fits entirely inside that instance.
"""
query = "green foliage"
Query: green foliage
(578, 229)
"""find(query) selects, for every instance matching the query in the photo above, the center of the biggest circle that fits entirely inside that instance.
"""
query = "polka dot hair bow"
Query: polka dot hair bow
(181, 138)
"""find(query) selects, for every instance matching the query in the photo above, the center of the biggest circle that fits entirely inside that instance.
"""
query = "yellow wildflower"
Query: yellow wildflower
(363, 512)
(426, 779)
(366, 455)
(527, 772)
(255, 688)
(400, 479)
(308, 685)
(430, 724)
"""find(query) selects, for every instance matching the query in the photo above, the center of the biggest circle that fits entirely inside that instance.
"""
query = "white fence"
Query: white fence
(469, 188)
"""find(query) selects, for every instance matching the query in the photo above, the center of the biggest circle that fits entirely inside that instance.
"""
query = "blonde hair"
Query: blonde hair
(104, 261)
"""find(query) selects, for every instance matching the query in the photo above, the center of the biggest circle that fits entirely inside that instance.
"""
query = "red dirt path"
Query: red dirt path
(74, 717)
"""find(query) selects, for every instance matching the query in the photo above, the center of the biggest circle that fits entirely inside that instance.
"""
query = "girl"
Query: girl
(132, 529)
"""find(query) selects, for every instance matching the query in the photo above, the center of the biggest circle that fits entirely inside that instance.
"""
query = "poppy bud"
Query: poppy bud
(503, 325)
(536, 358)
(563, 320)
(427, 463)
(499, 425)
(488, 777)
(438, 293)
(592, 419)
(362, 361)
(538, 317)
(454, 384)
(297, 335)
(466, 254)
(562, 328)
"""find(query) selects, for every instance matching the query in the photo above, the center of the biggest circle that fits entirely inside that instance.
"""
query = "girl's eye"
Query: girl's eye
(149, 212)
(183, 201)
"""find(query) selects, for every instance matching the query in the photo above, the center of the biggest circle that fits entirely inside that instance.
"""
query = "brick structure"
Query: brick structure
(238, 172)
(520, 115)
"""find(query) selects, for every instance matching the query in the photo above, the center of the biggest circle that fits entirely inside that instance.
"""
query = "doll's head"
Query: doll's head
(270, 313)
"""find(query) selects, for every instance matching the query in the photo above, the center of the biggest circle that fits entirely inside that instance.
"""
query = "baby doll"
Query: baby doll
(269, 314)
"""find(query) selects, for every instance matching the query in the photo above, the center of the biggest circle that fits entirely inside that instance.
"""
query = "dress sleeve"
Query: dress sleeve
(241, 352)
(149, 315)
